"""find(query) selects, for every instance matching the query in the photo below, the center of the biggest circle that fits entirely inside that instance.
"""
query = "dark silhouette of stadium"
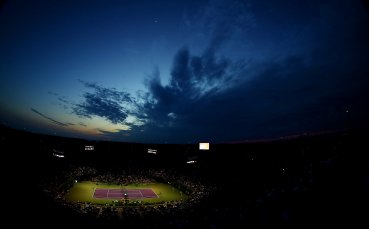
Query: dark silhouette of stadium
(310, 179)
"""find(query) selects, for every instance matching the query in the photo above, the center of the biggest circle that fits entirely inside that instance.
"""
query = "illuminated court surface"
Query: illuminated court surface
(124, 193)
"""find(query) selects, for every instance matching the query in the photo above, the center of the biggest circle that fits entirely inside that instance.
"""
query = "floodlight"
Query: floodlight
(204, 146)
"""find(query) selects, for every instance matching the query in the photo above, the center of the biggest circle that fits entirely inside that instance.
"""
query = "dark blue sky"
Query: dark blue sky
(184, 71)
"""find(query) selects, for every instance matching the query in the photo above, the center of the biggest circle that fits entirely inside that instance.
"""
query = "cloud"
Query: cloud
(63, 99)
(51, 119)
(224, 19)
(116, 135)
(109, 103)
(82, 124)
(63, 102)
(192, 79)
(210, 97)
(53, 93)
(220, 20)
(99, 106)
(291, 95)
(220, 99)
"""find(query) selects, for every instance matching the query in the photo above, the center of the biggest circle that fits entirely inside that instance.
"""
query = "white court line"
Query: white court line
(154, 193)
(151, 196)
(141, 193)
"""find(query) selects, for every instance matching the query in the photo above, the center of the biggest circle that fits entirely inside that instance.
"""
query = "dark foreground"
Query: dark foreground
(310, 180)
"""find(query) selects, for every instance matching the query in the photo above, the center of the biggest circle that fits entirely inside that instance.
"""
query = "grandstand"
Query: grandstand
(296, 181)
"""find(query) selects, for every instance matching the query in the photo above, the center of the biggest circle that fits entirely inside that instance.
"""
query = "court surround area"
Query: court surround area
(103, 193)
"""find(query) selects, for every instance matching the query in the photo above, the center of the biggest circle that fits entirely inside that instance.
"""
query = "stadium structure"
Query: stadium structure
(304, 180)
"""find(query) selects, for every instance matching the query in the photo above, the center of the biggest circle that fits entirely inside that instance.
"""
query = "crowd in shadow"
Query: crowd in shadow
(315, 180)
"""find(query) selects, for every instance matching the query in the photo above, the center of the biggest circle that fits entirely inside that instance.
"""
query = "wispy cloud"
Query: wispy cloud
(109, 103)
(62, 101)
(53, 93)
(51, 119)
(82, 124)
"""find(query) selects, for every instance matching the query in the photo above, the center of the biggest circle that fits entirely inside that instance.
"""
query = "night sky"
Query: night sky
(184, 71)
